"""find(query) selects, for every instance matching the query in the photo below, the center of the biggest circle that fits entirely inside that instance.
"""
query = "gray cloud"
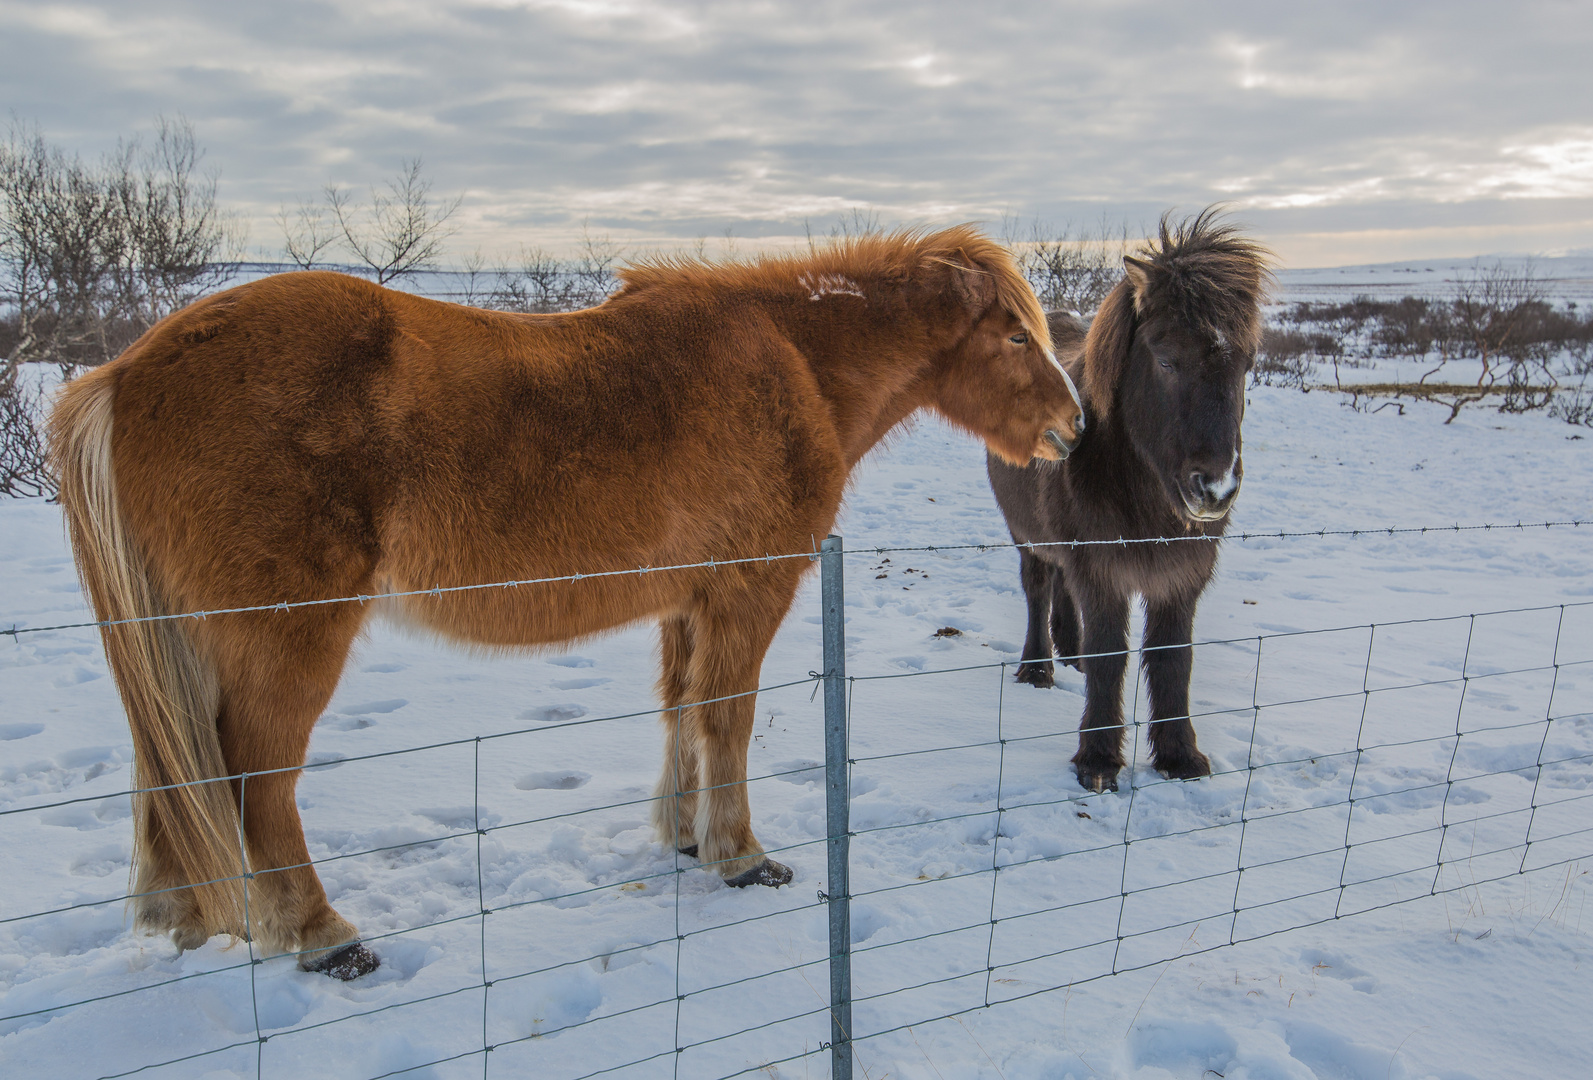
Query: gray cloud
(1343, 132)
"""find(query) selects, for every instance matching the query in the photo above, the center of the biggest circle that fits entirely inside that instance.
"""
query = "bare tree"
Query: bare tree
(594, 271)
(306, 233)
(401, 232)
(180, 245)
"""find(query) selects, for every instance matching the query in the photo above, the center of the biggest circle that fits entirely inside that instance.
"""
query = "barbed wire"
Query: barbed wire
(15, 630)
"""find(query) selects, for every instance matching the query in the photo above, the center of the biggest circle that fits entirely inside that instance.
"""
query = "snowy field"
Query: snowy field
(601, 954)
(1564, 278)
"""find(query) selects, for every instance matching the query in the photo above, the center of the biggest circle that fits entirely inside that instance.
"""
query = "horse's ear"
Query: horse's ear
(974, 286)
(1139, 278)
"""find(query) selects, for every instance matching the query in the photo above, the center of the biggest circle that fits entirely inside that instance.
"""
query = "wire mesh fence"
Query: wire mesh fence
(1354, 768)
(1472, 730)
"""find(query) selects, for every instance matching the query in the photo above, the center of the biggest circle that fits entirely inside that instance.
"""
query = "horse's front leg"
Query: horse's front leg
(1169, 659)
(675, 797)
(1104, 613)
(1036, 576)
(729, 639)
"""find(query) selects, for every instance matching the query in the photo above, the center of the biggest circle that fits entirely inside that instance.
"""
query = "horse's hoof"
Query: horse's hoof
(1192, 767)
(349, 962)
(689, 852)
(1036, 675)
(187, 937)
(1098, 778)
(768, 873)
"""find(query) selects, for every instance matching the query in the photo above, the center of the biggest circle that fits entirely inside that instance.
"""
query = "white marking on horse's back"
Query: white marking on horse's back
(822, 285)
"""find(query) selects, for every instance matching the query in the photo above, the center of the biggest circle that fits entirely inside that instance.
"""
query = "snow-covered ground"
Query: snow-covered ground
(1565, 278)
(593, 932)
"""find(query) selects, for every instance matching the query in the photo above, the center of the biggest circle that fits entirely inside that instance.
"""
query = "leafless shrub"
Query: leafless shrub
(1284, 359)
(537, 283)
(858, 221)
(400, 232)
(1070, 272)
(22, 465)
(93, 254)
(1574, 405)
(1492, 316)
(1500, 317)
(540, 282)
(1411, 327)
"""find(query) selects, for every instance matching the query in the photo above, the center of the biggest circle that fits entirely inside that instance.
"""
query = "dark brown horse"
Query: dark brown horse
(1163, 368)
(313, 436)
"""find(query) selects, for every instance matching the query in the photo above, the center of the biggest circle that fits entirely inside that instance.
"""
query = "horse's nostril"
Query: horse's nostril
(1078, 424)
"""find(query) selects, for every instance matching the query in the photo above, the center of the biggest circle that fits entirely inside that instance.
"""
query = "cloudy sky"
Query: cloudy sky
(1342, 132)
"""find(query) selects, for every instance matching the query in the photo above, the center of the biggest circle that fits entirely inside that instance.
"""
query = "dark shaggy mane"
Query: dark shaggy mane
(1204, 274)
(1211, 276)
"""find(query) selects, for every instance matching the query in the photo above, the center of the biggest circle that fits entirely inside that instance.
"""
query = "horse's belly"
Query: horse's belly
(528, 613)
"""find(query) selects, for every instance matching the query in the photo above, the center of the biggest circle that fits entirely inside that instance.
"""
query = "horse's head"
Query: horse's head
(1168, 354)
(1000, 377)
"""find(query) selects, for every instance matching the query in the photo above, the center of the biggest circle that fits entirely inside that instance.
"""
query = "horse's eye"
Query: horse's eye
(1019, 339)
(1168, 364)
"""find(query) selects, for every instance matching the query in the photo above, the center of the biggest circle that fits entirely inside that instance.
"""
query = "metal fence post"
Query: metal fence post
(837, 818)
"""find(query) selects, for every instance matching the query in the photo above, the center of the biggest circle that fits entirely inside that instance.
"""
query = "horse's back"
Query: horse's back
(1068, 331)
(297, 435)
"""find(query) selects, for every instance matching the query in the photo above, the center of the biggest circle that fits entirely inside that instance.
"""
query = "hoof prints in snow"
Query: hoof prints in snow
(552, 781)
(801, 771)
(553, 714)
(578, 684)
(355, 717)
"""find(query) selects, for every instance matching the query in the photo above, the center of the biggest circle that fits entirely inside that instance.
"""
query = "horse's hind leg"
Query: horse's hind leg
(1036, 576)
(1065, 622)
(1169, 660)
(162, 898)
(675, 802)
(278, 671)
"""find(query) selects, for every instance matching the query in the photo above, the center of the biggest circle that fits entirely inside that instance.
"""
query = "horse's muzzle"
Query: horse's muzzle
(1207, 500)
(1063, 448)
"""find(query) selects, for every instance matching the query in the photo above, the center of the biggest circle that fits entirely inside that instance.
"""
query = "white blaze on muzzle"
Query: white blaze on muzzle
(1068, 379)
(1223, 486)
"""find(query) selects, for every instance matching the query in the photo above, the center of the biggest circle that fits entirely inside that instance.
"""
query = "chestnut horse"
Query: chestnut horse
(313, 436)
(1163, 369)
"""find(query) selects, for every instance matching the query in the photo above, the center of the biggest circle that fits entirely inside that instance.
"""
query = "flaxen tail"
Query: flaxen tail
(185, 831)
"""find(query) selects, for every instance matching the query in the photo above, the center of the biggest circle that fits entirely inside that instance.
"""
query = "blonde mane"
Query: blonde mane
(850, 265)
